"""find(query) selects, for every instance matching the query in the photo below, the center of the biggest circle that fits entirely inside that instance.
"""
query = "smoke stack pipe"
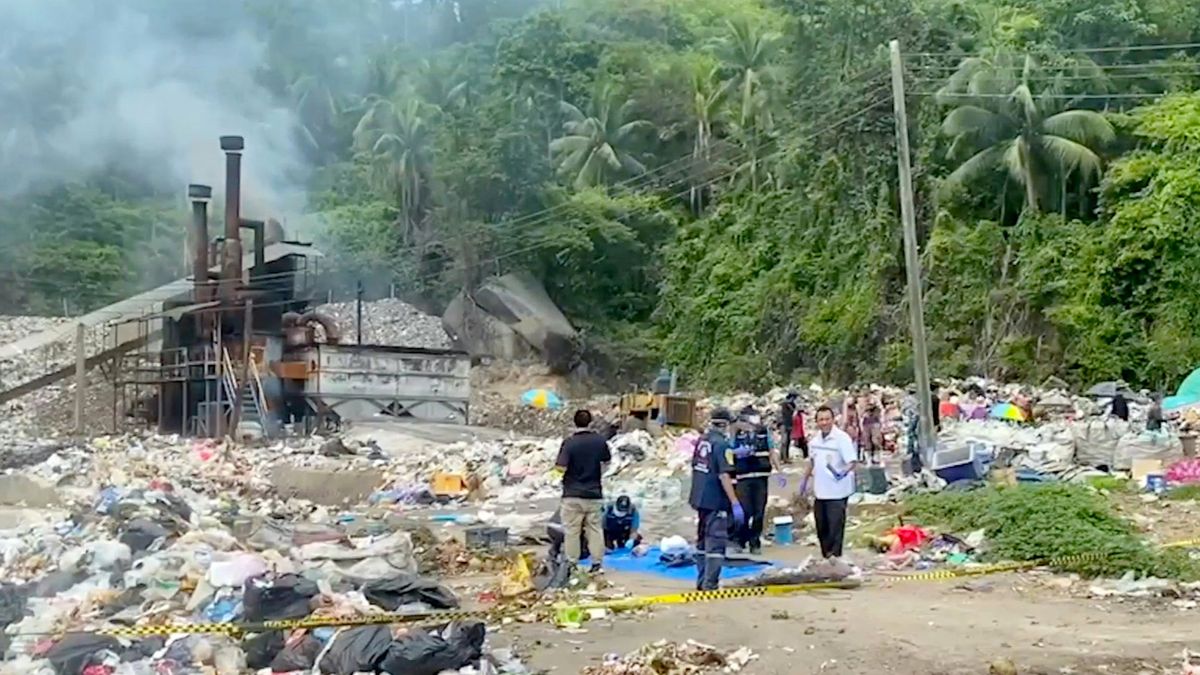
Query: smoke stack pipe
(260, 244)
(199, 194)
(231, 270)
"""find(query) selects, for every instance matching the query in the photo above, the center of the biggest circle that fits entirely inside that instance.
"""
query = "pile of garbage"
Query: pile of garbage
(388, 322)
(674, 658)
(154, 542)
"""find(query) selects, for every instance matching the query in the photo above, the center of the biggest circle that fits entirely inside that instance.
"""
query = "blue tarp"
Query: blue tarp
(623, 560)
(1188, 394)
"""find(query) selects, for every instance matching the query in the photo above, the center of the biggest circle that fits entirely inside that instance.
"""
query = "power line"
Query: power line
(684, 161)
(461, 267)
(1065, 97)
(986, 66)
(863, 79)
(1077, 78)
(1082, 50)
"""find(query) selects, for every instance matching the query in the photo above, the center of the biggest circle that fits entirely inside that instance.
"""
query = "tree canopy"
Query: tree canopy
(702, 183)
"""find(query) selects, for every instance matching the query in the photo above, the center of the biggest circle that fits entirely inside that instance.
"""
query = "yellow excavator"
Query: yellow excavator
(661, 403)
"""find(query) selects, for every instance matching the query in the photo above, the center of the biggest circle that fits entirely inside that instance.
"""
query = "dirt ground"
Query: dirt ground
(942, 627)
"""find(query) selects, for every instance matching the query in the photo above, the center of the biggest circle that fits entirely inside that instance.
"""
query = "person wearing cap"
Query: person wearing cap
(754, 460)
(621, 524)
(712, 496)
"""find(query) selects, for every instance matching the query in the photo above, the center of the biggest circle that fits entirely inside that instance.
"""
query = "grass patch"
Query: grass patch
(1111, 484)
(1184, 493)
(1034, 522)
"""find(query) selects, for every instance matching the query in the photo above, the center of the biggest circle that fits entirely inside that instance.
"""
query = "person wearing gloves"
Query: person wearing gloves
(831, 464)
(713, 497)
(754, 460)
(621, 524)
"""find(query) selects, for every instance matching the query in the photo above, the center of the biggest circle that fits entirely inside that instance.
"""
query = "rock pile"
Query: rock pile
(389, 322)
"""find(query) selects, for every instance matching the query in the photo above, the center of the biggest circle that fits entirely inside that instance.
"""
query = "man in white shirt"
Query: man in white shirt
(831, 463)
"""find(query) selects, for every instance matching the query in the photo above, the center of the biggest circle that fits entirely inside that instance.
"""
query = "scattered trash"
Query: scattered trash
(673, 658)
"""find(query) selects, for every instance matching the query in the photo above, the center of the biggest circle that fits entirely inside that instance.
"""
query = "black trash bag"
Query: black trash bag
(140, 533)
(298, 656)
(74, 652)
(402, 589)
(262, 649)
(12, 603)
(57, 582)
(144, 648)
(284, 597)
(12, 610)
(421, 653)
(176, 506)
(551, 573)
(357, 650)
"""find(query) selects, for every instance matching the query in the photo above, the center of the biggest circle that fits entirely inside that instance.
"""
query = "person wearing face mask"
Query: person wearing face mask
(754, 458)
(713, 498)
(831, 464)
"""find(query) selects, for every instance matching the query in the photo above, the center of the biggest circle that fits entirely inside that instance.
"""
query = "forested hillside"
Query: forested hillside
(710, 183)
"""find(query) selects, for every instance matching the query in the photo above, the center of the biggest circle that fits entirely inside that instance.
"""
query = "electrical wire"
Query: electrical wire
(863, 81)
(1177, 46)
(826, 129)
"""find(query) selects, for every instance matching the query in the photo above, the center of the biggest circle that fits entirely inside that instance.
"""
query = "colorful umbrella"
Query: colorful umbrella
(542, 398)
(1007, 411)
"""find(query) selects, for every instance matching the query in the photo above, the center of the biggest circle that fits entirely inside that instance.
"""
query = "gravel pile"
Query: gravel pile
(389, 322)
(14, 328)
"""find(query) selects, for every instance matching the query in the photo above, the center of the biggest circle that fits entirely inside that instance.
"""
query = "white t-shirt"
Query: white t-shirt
(837, 451)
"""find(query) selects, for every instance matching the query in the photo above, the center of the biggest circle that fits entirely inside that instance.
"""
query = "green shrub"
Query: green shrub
(1039, 522)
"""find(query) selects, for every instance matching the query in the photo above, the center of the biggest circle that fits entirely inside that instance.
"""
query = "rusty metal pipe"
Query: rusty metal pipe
(332, 334)
(231, 267)
(260, 243)
(200, 194)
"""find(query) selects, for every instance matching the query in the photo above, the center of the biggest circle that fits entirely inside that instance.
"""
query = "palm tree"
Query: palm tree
(396, 137)
(751, 52)
(708, 102)
(1001, 123)
(318, 112)
(597, 148)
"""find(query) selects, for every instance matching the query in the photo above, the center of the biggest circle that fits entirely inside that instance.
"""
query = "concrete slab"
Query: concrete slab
(21, 490)
(330, 487)
(398, 437)
(13, 517)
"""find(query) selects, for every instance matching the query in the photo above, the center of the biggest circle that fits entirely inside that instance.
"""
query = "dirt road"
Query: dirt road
(898, 627)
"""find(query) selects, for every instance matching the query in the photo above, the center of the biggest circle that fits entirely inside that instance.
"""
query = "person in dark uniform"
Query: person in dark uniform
(713, 497)
(621, 524)
(787, 416)
(754, 460)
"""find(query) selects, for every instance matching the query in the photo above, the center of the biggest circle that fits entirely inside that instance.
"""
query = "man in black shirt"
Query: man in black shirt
(582, 459)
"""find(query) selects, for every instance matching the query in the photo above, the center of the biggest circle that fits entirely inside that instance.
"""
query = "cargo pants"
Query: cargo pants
(712, 535)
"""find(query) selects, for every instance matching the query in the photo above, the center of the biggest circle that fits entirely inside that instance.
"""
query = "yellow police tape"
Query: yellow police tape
(997, 568)
(561, 611)
(1183, 543)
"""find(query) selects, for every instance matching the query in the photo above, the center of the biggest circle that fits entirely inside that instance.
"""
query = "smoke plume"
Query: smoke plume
(144, 85)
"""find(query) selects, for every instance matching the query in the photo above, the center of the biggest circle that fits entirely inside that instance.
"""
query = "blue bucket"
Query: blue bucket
(783, 530)
(1156, 483)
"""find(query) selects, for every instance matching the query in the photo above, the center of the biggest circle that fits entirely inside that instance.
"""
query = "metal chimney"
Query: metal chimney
(231, 266)
(200, 194)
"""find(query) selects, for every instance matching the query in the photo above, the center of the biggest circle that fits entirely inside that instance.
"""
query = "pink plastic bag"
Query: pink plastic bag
(1184, 471)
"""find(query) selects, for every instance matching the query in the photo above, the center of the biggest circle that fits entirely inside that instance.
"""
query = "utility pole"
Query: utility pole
(358, 293)
(80, 376)
(912, 260)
